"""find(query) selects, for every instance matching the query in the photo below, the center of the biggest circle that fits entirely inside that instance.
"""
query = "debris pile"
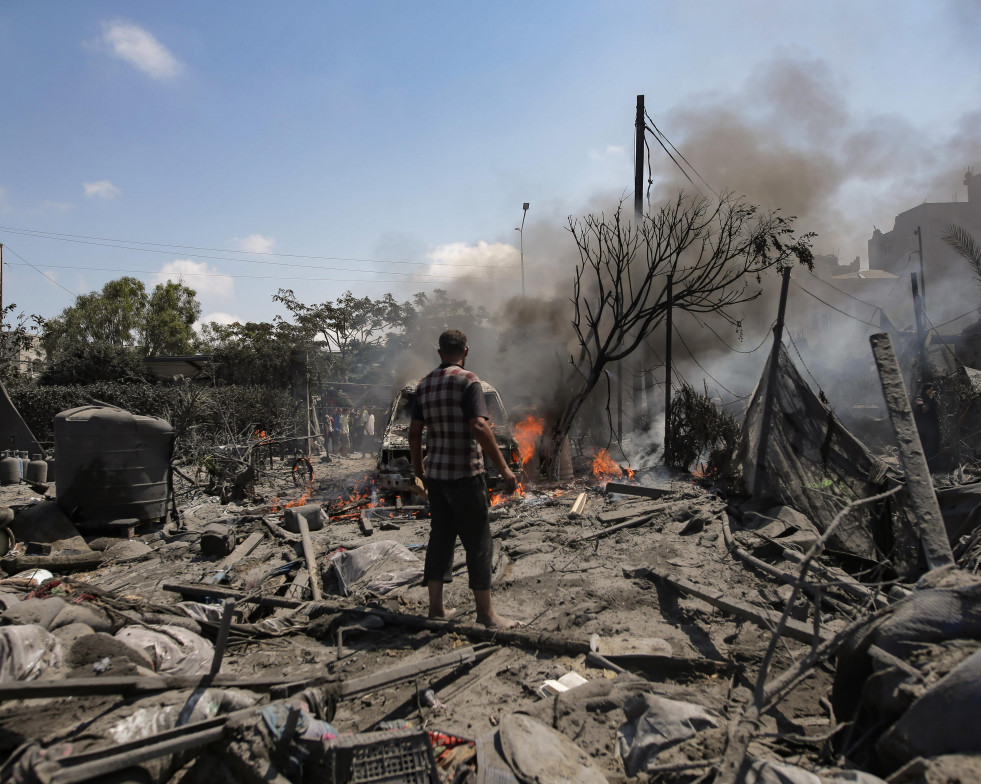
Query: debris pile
(261, 627)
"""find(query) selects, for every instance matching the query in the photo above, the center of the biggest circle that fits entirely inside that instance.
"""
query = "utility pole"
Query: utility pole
(639, 128)
(771, 382)
(667, 373)
(921, 337)
(1, 284)
(919, 240)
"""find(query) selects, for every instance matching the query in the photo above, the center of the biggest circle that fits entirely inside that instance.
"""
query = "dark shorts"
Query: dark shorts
(459, 507)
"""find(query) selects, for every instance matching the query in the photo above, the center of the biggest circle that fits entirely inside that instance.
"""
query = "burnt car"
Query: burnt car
(394, 464)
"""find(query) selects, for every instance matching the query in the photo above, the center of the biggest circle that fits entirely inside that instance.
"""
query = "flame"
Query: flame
(606, 467)
(526, 433)
(497, 499)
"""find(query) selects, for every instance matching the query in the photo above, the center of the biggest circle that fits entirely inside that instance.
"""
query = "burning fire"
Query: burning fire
(526, 433)
(500, 498)
(275, 506)
(605, 467)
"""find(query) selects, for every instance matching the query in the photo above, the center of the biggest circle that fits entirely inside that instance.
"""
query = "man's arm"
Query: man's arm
(484, 436)
(415, 447)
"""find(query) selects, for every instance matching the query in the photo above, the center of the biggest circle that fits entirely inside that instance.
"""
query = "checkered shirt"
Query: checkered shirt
(451, 450)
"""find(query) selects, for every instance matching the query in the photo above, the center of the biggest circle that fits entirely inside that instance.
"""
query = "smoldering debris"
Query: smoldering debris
(672, 627)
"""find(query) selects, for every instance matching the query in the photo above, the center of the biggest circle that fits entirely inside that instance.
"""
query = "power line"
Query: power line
(104, 242)
(722, 340)
(33, 267)
(695, 360)
(828, 304)
(659, 135)
(840, 291)
(181, 273)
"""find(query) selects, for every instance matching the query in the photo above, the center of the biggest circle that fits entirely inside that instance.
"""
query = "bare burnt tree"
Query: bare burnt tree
(715, 251)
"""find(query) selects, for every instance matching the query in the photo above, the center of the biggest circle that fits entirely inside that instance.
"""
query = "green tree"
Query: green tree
(963, 242)
(106, 334)
(352, 329)
(273, 354)
(431, 314)
(113, 316)
(169, 322)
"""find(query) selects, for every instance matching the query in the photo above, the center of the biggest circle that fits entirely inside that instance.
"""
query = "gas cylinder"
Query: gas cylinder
(37, 471)
(9, 470)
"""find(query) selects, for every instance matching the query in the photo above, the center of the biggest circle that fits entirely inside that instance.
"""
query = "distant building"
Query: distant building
(897, 251)
(29, 357)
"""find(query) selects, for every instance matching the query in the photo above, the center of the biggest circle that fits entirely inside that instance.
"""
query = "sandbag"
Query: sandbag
(376, 568)
(655, 723)
(27, 651)
(944, 720)
(173, 650)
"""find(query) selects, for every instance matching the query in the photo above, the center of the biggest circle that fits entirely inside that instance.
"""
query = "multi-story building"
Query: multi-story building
(946, 278)
(26, 355)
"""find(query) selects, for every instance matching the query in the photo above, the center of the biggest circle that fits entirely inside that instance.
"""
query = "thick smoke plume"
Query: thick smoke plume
(787, 140)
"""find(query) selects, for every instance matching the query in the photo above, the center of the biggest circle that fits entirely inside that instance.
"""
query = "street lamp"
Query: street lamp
(521, 239)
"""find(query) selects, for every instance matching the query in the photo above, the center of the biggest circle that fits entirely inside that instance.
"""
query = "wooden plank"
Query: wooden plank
(645, 492)
(637, 521)
(77, 562)
(919, 485)
(631, 511)
(365, 524)
(311, 558)
(130, 684)
(579, 504)
(236, 555)
(299, 589)
(537, 641)
(767, 619)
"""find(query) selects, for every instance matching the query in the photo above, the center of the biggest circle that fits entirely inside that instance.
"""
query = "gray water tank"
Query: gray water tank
(112, 465)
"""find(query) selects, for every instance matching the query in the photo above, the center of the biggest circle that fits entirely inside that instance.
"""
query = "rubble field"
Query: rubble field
(656, 616)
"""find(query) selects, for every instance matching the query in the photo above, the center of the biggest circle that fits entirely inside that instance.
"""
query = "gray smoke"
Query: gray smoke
(786, 140)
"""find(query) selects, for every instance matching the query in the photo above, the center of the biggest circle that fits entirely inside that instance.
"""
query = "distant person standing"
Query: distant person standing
(345, 431)
(328, 431)
(449, 404)
(357, 431)
(369, 423)
(926, 414)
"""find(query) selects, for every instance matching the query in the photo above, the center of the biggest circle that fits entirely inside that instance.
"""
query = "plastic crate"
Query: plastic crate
(395, 757)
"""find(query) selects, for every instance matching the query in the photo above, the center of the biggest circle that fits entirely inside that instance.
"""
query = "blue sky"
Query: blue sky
(388, 146)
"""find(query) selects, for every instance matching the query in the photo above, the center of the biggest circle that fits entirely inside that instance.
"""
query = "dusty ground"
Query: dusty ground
(599, 589)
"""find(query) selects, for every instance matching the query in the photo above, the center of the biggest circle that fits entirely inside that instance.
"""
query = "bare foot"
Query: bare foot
(446, 615)
(495, 621)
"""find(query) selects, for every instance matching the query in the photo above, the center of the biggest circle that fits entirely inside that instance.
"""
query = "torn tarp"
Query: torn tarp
(814, 464)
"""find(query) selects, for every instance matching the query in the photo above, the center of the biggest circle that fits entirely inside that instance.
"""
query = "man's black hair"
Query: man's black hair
(453, 342)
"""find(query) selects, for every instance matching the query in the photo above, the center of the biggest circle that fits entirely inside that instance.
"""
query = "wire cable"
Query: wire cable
(839, 310)
(702, 367)
(840, 291)
(318, 267)
(722, 340)
(51, 235)
(661, 134)
(182, 273)
(33, 267)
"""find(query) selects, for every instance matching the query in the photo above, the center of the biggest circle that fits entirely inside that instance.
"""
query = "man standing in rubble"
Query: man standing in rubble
(449, 403)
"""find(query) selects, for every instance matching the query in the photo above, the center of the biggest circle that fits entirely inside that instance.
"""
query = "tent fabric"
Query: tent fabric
(14, 432)
(811, 461)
